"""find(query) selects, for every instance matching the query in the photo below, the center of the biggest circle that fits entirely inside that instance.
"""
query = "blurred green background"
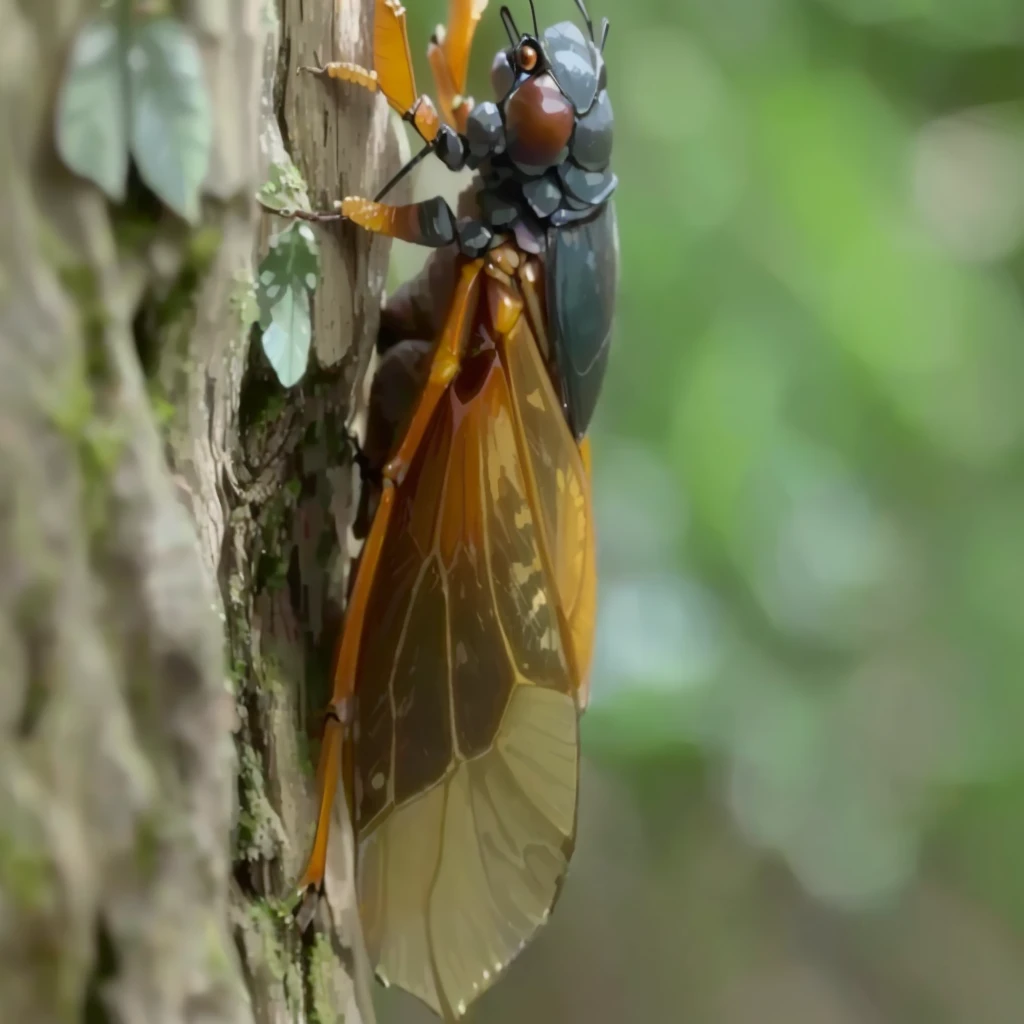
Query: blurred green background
(803, 795)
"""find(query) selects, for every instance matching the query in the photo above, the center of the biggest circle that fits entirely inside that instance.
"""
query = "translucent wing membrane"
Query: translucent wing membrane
(561, 484)
(466, 732)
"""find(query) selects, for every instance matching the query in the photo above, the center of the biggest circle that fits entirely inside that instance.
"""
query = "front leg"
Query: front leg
(448, 55)
(484, 138)
(392, 70)
(420, 111)
(429, 222)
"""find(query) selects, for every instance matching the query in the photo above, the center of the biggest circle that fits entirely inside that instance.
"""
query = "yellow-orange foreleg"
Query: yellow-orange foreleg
(392, 72)
(336, 748)
(448, 54)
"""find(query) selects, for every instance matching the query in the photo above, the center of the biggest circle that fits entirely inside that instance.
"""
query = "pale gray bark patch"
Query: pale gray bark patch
(170, 574)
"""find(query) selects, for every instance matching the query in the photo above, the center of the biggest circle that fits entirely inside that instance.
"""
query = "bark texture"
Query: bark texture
(170, 566)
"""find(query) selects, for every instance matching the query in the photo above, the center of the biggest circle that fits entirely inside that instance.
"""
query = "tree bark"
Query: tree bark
(173, 555)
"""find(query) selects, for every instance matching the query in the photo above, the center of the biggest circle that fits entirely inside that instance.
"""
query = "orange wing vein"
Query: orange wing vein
(477, 620)
(444, 365)
(560, 477)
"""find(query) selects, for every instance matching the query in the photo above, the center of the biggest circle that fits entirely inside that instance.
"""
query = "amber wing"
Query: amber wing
(477, 636)
(392, 60)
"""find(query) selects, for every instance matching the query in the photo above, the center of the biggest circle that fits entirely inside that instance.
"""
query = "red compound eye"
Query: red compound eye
(527, 57)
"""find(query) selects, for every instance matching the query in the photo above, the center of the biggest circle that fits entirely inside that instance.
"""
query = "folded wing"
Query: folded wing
(478, 627)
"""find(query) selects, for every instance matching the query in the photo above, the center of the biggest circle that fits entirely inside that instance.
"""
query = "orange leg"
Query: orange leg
(448, 54)
(336, 748)
(429, 222)
(392, 70)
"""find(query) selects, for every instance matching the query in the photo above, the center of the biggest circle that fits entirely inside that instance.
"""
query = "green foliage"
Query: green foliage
(324, 1008)
(814, 406)
(244, 302)
(259, 834)
(134, 87)
(286, 339)
(171, 126)
(92, 133)
(284, 189)
(285, 278)
(26, 873)
(808, 456)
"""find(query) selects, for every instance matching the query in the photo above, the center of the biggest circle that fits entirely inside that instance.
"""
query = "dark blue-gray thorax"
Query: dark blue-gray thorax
(556, 198)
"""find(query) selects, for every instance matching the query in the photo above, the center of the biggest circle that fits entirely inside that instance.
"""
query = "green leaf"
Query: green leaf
(284, 188)
(171, 127)
(286, 340)
(92, 135)
(244, 301)
(286, 276)
(293, 261)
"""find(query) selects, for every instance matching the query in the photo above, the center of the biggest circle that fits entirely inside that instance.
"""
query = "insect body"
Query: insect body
(543, 154)
(462, 669)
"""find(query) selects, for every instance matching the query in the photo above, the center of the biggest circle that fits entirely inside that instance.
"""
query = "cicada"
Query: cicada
(463, 665)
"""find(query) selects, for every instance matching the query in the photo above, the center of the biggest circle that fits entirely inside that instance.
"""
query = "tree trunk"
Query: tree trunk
(170, 566)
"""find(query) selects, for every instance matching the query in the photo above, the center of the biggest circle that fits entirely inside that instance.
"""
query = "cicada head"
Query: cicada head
(546, 83)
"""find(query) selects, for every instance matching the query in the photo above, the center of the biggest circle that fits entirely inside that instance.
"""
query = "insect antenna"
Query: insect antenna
(605, 25)
(409, 165)
(510, 26)
(586, 17)
(533, 11)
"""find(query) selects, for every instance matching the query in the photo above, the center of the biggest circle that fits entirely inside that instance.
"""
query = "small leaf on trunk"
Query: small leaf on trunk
(284, 280)
(92, 129)
(286, 340)
(171, 127)
(284, 188)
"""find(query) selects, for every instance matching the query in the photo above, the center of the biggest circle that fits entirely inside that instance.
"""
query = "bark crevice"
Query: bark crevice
(169, 530)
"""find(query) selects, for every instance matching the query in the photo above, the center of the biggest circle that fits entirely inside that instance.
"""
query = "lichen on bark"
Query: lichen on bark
(170, 527)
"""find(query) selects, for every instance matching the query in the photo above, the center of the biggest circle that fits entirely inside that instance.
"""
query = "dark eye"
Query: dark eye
(526, 58)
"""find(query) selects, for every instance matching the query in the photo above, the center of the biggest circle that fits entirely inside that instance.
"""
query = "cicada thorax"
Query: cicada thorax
(548, 182)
